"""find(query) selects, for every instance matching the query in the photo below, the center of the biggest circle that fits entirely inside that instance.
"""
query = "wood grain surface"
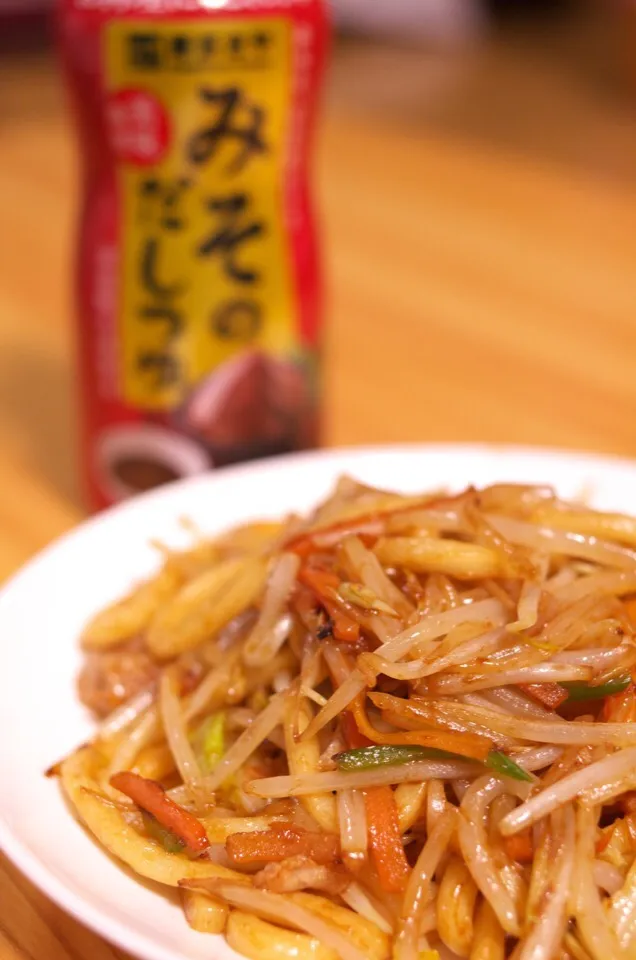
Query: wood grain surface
(479, 217)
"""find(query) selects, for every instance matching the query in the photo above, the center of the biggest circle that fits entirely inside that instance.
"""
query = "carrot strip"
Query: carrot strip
(620, 707)
(150, 796)
(370, 523)
(307, 543)
(470, 745)
(519, 847)
(550, 695)
(324, 584)
(344, 628)
(280, 843)
(303, 601)
(385, 839)
(353, 738)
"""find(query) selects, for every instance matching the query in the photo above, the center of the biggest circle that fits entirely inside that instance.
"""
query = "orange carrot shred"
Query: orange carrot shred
(344, 628)
(151, 797)
(353, 738)
(620, 707)
(324, 584)
(305, 544)
(470, 745)
(385, 839)
(550, 695)
(519, 847)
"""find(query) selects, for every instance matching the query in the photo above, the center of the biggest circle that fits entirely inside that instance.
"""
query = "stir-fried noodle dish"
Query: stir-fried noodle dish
(404, 726)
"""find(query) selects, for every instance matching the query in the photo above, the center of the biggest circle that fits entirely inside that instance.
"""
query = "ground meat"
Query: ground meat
(110, 677)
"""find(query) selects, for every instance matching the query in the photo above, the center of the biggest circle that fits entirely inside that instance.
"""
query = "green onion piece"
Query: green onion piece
(170, 842)
(208, 742)
(378, 755)
(583, 691)
(500, 763)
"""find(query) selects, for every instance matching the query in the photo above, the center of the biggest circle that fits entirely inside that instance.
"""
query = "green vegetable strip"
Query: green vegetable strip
(366, 758)
(583, 691)
(170, 842)
(500, 763)
(208, 742)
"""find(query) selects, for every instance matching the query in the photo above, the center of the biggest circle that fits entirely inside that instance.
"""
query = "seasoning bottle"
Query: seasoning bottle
(197, 274)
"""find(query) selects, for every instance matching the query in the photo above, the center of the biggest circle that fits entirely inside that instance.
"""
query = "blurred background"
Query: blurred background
(476, 185)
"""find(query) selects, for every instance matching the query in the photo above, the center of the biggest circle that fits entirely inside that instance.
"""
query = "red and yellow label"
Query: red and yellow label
(198, 115)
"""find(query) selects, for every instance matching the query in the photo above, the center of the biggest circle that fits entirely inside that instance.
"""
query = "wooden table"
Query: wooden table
(480, 221)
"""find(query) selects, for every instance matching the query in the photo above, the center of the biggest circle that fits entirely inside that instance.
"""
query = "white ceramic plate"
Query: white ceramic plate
(43, 608)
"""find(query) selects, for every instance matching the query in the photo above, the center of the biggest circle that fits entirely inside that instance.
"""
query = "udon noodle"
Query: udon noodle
(403, 726)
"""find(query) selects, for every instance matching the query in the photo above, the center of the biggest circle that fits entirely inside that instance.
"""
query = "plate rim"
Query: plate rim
(13, 847)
